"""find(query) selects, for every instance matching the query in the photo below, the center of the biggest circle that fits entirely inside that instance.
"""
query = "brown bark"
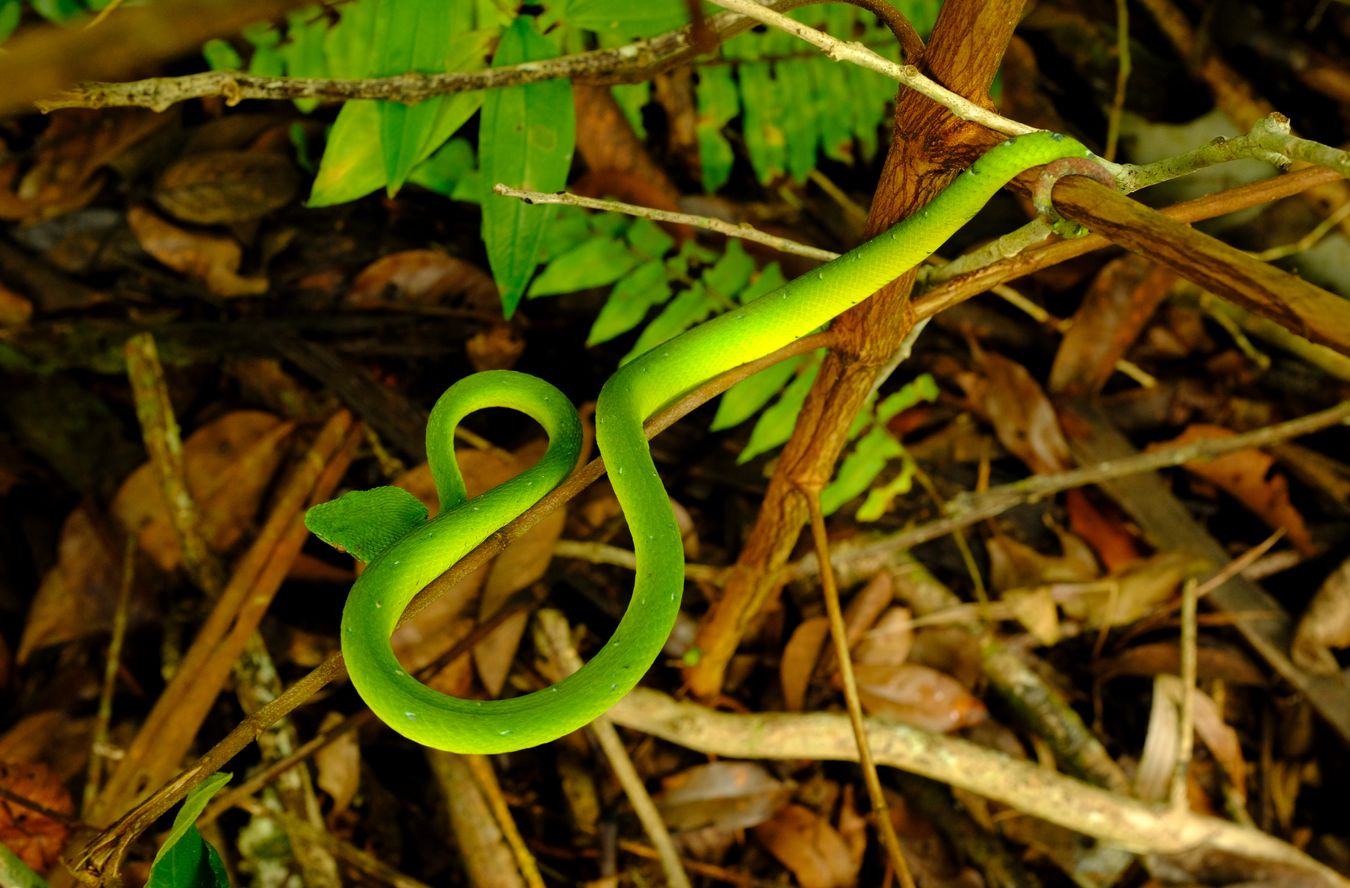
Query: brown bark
(964, 55)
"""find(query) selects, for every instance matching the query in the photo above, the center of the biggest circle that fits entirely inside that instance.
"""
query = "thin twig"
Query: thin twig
(881, 812)
(1122, 78)
(556, 637)
(1186, 725)
(98, 746)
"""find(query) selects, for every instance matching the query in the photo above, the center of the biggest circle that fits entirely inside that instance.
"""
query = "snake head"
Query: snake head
(366, 522)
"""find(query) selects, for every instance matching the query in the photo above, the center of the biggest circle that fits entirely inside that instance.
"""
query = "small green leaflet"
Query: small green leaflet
(186, 860)
(410, 35)
(525, 140)
(14, 873)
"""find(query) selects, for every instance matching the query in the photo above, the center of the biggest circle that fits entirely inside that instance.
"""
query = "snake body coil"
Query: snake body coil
(406, 551)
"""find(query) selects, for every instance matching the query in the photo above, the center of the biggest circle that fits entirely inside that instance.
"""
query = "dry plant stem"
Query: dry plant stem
(603, 553)
(556, 635)
(857, 54)
(1024, 785)
(881, 812)
(1122, 78)
(169, 730)
(42, 60)
(1186, 722)
(93, 861)
(263, 776)
(99, 744)
(742, 231)
(1233, 94)
(159, 429)
(480, 770)
(1290, 301)
(966, 509)
(632, 62)
(354, 857)
(971, 275)
(484, 855)
(1258, 617)
(964, 53)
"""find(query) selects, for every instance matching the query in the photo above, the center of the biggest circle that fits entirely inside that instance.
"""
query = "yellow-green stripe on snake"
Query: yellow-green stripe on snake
(387, 528)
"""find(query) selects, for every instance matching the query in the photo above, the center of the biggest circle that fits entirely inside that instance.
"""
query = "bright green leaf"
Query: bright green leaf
(594, 263)
(775, 424)
(730, 274)
(624, 19)
(684, 311)
(649, 239)
(765, 106)
(718, 104)
(747, 397)
(14, 873)
(445, 168)
(185, 860)
(525, 140)
(880, 499)
(219, 55)
(410, 36)
(303, 50)
(629, 302)
(860, 468)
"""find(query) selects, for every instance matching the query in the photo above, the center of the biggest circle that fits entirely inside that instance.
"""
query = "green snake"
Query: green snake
(388, 528)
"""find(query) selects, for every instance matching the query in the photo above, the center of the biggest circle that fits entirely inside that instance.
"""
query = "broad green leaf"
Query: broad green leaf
(717, 105)
(880, 499)
(10, 13)
(631, 99)
(775, 424)
(799, 116)
(730, 275)
(446, 168)
(629, 302)
(770, 278)
(923, 388)
(649, 239)
(525, 140)
(352, 164)
(410, 36)
(747, 397)
(860, 468)
(569, 228)
(58, 11)
(624, 19)
(593, 263)
(348, 47)
(219, 55)
(303, 51)
(191, 862)
(185, 860)
(684, 311)
(266, 60)
(765, 106)
(14, 873)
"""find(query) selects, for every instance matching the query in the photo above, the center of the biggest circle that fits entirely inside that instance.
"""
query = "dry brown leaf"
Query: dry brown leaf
(229, 465)
(1037, 611)
(1014, 565)
(14, 309)
(498, 347)
(211, 258)
(1134, 593)
(338, 767)
(810, 848)
(1248, 477)
(1104, 529)
(36, 838)
(722, 795)
(1325, 624)
(797, 664)
(77, 596)
(420, 278)
(1214, 661)
(917, 695)
(215, 187)
(1020, 412)
(6, 664)
(889, 642)
(70, 154)
(51, 737)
